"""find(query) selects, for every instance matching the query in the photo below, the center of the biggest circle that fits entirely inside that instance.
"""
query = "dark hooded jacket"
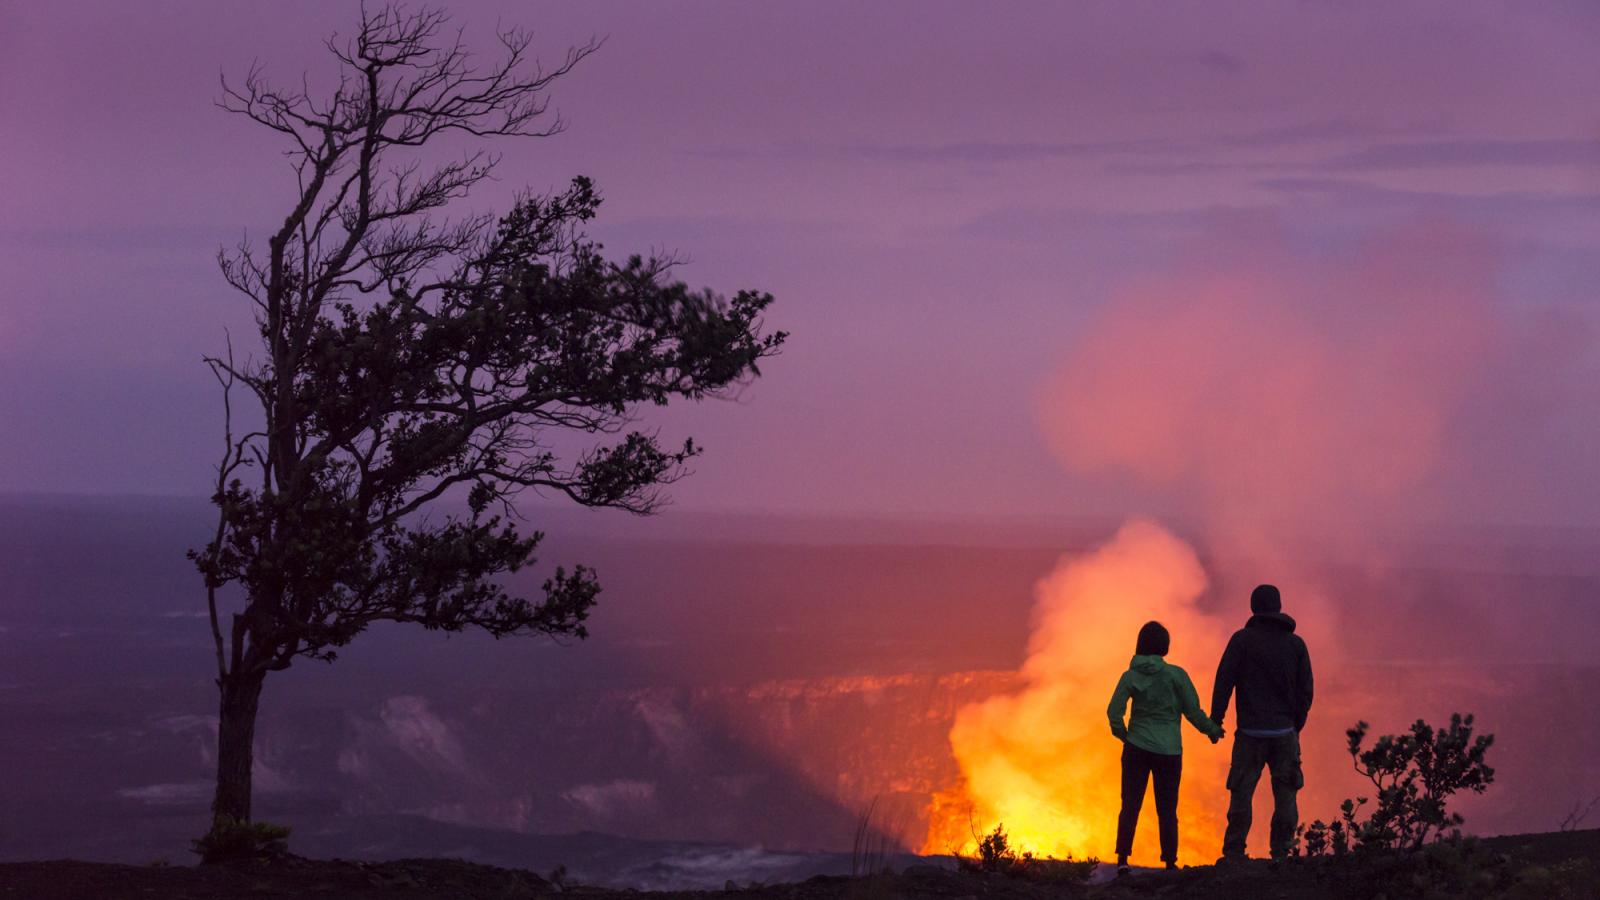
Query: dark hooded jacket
(1268, 665)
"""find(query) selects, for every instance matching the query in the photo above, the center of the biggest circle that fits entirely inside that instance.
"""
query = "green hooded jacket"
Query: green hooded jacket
(1159, 692)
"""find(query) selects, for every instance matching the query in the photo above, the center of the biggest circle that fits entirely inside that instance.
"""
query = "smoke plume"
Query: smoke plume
(1042, 761)
(1271, 392)
(1276, 402)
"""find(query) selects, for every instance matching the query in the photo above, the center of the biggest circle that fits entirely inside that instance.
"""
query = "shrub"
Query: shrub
(997, 856)
(1573, 878)
(995, 853)
(232, 839)
(1459, 867)
(1452, 868)
(1415, 774)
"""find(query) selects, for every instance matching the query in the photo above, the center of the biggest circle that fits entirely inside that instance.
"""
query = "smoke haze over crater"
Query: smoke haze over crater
(1257, 386)
(1284, 403)
(942, 199)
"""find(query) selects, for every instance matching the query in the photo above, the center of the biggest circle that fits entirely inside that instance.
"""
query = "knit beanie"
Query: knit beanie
(1265, 599)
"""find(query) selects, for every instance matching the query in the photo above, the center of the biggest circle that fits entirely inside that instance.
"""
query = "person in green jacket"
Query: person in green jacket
(1151, 743)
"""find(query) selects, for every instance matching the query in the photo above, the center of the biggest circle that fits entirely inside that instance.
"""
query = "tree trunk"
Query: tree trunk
(236, 732)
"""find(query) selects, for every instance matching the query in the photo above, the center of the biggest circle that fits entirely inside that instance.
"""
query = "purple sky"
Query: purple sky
(942, 196)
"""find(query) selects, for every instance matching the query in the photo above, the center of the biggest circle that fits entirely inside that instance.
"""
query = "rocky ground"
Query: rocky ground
(1560, 865)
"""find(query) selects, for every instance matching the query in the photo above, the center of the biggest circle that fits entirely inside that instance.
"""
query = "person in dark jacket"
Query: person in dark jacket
(1267, 665)
(1152, 747)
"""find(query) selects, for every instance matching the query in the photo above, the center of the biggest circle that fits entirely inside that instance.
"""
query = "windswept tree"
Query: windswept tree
(406, 358)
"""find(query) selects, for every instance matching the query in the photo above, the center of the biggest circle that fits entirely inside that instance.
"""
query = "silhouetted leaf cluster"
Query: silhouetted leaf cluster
(1415, 774)
(397, 401)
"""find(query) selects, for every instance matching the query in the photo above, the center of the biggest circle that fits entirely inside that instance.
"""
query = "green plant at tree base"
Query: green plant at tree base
(1415, 774)
(232, 839)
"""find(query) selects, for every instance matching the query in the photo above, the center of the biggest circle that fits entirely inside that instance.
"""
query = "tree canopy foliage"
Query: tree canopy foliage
(405, 356)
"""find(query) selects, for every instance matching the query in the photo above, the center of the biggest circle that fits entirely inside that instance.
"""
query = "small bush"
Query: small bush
(1457, 867)
(995, 853)
(232, 839)
(996, 856)
(1568, 880)
(1415, 774)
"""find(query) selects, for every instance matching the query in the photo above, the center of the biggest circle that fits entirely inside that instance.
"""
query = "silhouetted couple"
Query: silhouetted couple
(1268, 666)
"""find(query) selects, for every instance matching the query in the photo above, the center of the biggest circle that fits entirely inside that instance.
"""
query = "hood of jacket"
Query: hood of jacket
(1145, 671)
(1275, 620)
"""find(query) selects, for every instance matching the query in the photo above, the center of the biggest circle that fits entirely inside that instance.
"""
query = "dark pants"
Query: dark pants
(1138, 767)
(1281, 757)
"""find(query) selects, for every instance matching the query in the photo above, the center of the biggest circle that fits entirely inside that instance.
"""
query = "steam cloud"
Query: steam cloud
(1042, 761)
(1261, 395)
(1270, 391)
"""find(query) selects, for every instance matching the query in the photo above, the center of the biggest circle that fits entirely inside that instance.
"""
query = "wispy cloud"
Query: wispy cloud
(1378, 157)
(1480, 152)
(1166, 150)
(1313, 132)
(956, 152)
(1357, 191)
(185, 793)
(1036, 223)
(626, 797)
(1222, 62)
(421, 734)
(118, 238)
(1545, 220)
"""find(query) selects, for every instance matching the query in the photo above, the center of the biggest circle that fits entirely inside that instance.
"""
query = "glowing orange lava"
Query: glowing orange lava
(1043, 761)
